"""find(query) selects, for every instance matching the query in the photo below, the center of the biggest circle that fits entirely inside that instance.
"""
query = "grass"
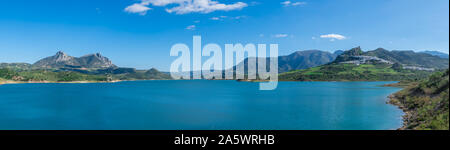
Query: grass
(70, 76)
(352, 72)
(43, 75)
(426, 103)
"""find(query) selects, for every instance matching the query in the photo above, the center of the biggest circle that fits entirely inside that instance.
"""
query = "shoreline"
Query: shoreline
(393, 101)
(72, 82)
(63, 82)
(408, 113)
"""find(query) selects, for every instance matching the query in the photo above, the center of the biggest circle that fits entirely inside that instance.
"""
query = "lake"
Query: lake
(198, 105)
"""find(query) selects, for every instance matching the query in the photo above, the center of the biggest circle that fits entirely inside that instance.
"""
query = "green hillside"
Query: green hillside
(68, 76)
(406, 58)
(376, 65)
(2, 80)
(43, 75)
(151, 74)
(410, 58)
(426, 103)
(64, 68)
(16, 66)
(353, 72)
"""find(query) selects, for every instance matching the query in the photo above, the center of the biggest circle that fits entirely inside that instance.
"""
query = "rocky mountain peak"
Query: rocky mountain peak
(62, 60)
(60, 53)
(60, 56)
(96, 61)
(354, 51)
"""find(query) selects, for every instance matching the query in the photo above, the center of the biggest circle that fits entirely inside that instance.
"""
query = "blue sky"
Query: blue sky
(135, 33)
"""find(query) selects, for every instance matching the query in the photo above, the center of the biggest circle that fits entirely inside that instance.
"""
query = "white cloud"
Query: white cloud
(191, 27)
(298, 3)
(286, 3)
(333, 37)
(281, 35)
(239, 17)
(185, 6)
(289, 3)
(137, 8)
(215, 18)
(221, 18)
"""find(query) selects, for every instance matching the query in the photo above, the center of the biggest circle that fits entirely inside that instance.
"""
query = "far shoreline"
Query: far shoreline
(397, 84)
(71, 82)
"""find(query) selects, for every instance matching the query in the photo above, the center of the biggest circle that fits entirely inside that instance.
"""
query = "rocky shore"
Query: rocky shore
(394, 101)
(408, 114)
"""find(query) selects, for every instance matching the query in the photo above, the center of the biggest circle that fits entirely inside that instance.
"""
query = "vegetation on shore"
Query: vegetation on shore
(376, 65)
(151, 74)
(49, 76)
(2, 81)
(64, 68)
(71, 76)
(425, 103)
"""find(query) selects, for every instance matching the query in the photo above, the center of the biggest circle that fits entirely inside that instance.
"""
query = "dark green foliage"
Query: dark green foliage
(304, 60)
(410, 58)
(371, 70)
(151, 74)
(155, 74)
(64, 68)
(294, 61)
(65, 76)
(397, 67)
(437, 53)
(111, 70)
(16, 66)
(68, 76)
(7, 74)
(352, 72)
(44, 75)
(427, 103)
(346, 56)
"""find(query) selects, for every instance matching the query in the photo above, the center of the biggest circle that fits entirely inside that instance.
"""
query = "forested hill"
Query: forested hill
(376, 65)
(426, 103)
(65, 68)
(404, 57)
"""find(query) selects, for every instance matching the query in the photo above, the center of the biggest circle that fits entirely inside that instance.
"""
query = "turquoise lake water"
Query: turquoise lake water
(199, 104)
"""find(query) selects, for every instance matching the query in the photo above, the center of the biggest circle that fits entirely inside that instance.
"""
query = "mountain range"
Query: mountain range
(436, 53)
(63, 67)
(297, 60)
(379, 64)
(96, 64)
(313, 58)
(62, 60)
(405, 58)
